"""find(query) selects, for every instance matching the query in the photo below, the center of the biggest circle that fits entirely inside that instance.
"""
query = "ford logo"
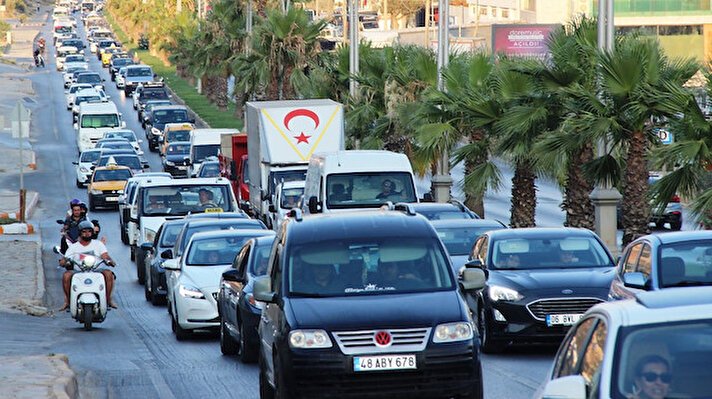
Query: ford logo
(567, 291)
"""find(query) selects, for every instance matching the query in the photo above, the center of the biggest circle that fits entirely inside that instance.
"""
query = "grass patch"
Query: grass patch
(8, 221)
(194, 100)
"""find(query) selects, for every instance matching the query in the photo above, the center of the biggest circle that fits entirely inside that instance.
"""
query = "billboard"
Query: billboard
(522, 40)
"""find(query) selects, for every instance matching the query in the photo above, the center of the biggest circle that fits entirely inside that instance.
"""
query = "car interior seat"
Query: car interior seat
(672, 270)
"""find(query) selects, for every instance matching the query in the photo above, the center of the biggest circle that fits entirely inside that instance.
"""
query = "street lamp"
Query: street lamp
(442, 181)
(353, 47)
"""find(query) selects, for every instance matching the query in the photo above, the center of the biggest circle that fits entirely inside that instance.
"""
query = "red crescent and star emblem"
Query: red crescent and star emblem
(302, 138)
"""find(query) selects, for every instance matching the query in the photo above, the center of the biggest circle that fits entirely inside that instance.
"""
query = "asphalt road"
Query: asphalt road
(133, 354)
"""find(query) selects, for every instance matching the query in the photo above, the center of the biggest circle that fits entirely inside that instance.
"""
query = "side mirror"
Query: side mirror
(76, 125)
(473, 279)
(146, 166)
(171, 264)
(234, 276)
(60, 221)
(140, 141)
(264, 194)
(108, 97)
(475, 263)
(123, 123)
(570, 387)
(75, 163)
(313, 205)
(167, 254)
(272, 208)
(147, 246)
(262, 290)
(192, 120)
(187, 161)
(56, 249)
(634, 280)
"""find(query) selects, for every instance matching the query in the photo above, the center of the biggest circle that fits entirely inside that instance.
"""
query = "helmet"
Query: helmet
(86, 225)
(74, 202)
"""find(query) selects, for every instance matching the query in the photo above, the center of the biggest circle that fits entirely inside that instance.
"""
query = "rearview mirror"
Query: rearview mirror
(313, 205)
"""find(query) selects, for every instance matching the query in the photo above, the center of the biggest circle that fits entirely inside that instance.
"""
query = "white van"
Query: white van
(205, 143)
(95, 119)
(348, 180)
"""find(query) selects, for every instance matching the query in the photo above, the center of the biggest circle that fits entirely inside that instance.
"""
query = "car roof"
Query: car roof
(464, 223)
(678, 236)
(112, 166)
(168, 107)
(113, 151)
(541, 232)
(217, 215)
(176, 143)
(229, 233)
(195, 223)
(380, 223)
(202, 181)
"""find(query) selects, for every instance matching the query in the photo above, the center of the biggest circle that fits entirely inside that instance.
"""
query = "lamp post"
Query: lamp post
(605, 197)
(442, 181)
(353, 47)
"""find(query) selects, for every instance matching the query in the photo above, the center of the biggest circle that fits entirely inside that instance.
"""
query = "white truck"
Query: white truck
(281, 136)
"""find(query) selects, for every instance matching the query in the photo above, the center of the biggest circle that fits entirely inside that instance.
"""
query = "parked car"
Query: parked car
(193, 280)
(370, 300)
(239, 311)
(155, 285)
(654, 346)
(540, 282)
(660, 261)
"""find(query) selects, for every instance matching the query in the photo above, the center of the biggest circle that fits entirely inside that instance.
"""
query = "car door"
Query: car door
(271, 314)
(235, 289)
(628, 264)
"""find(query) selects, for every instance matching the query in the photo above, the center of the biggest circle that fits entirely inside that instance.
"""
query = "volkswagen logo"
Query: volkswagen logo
(382, 338)
(567, 291)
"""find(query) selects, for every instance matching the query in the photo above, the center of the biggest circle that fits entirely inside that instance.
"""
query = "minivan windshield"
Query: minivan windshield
(100, 120)
(179, 200)
(373, 189)
(367, 266)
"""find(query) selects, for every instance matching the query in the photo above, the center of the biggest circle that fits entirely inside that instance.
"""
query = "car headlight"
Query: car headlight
(119, 191)
(150, 235)
(189, 291)
(155, 131)
(170, 163)
(84, 170)
(497, 293)
(452, 332)
(309, 339)
(96, 192)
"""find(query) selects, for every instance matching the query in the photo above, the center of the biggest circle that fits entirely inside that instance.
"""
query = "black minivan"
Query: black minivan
(366, 305)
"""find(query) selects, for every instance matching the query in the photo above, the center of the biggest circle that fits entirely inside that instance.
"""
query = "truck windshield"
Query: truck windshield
(200, 152)
(290, 196)
(368, 190)
(368, 266)
(100, 120)
(285, 176)
(177, 135)
(179, 200)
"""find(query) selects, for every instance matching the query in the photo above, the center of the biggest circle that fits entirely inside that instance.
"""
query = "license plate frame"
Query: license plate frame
(565, 319)
(406, 361)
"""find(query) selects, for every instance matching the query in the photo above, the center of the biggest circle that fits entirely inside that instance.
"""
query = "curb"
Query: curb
(17, 228)
(39, 272)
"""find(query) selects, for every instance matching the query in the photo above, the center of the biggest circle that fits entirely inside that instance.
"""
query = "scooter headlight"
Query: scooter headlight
(88, 281)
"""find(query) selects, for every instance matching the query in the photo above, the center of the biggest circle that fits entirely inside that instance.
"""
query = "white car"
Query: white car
(62, 53)
(84, 165)
(88, 95)
(127, 134)
(72, 91)
(74, 60)
(286, 199)
(120, 78)
(193, 281)
(654, 346)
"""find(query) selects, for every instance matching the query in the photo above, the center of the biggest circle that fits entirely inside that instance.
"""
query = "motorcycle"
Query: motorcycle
(39, 60)
(87, 298)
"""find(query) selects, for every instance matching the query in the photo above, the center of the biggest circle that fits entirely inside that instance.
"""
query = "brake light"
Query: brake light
(675, 198)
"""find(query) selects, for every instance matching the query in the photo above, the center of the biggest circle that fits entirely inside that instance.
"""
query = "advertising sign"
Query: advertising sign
(528, 41)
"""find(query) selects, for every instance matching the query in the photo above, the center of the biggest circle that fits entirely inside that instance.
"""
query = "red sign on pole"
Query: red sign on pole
(528, 41)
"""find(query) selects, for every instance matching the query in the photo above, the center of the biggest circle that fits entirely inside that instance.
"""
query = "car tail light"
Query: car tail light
(675, 198)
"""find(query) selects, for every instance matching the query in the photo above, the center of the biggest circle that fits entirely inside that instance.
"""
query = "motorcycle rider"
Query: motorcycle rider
(88, 246)
(70, 229)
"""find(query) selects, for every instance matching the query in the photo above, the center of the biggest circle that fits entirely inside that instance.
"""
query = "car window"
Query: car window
(111, 175)
(563, 251)
(686, 263)
(481, 252)
(631, 259)
(238, 262)
(593, 358)
(644, 262)
(459, 240)
(260, 260)
(573, 347)
(214, 251)
(170, 234)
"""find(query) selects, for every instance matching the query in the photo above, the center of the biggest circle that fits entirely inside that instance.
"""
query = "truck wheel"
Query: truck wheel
(87, 315)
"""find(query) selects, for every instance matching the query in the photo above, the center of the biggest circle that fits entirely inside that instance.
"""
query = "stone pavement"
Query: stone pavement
(22, 278)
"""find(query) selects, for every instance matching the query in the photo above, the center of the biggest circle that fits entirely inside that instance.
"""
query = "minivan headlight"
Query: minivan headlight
(453, 332)
(309, 339)
(497, 293)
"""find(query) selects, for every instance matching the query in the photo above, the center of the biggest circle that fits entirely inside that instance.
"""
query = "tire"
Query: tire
(156, 299)
(92, 207)
(79, 184)
(133, 253)
(124, 235)
(266, 390)
(476, 389)
(140, 265)
(280, 389)
(248, 354)
(489, 345)
(676, 226)
(87, 315)
(181, 333)
(147, 287)
(228, 345)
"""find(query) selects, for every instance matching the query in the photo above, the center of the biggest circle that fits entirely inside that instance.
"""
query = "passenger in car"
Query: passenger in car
(392, 274)
(320, 279)
(652, 378)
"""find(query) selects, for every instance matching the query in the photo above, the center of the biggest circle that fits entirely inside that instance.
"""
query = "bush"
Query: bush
(4, 28)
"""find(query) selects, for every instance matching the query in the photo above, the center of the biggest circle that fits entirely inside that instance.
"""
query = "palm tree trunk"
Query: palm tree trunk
(634, 207)
(523, 195)
(221, 99)
(475, 201)
(577, 202)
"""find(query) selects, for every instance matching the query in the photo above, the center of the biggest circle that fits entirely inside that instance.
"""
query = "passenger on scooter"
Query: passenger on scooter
(71, 226)
(87, 246)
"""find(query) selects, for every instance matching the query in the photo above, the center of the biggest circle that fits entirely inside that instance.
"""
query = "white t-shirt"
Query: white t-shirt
(95, 247)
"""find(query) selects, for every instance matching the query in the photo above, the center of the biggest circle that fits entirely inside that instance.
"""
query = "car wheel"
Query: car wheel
(124, 235)
(280, 387)
(489, 344)
(147, 286)
(79, 184)
(676, 226)
(266, 390)
(181, 333)
(140, 265)
(248, 353)
(228, 345)
(133, 253)
(92, 207)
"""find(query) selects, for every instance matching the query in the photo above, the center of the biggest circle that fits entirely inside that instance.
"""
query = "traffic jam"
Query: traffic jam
(329, 270)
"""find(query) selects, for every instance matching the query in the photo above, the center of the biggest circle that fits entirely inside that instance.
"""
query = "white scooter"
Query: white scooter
(87, 294)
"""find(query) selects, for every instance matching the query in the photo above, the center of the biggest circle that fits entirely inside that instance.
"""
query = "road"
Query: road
(133, 354)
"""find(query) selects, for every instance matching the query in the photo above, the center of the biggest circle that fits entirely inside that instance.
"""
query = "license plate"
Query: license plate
(385, 362)
(562, 319)
(112, 199)
(181, 167)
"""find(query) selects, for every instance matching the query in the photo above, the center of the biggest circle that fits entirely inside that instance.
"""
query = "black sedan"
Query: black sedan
(660, 261)
(239, 312)
(155, 287)
(174, 158)
(540, 282)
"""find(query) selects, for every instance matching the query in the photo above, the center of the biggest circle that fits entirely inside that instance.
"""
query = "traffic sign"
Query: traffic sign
(20, 118)
(665, 136)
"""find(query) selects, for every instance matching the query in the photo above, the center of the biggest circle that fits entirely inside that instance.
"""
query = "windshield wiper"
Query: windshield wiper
(306, 294)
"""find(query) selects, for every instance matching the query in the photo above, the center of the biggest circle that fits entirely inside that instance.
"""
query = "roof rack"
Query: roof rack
(400, 206)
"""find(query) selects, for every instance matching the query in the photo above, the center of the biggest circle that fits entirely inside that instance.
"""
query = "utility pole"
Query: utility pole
(353, 47)
(22, 122)
(427, 23)
(605, 198)
(442, 181)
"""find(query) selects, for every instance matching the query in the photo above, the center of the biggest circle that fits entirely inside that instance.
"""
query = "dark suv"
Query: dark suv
(365, 304)
(157, 119)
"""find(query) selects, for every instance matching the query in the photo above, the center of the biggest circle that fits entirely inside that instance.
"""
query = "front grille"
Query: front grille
(539, 309)
(403, 340)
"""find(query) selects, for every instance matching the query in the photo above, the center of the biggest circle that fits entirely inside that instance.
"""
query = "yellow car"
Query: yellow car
(107, 54)
(175, 132)
(106, 184)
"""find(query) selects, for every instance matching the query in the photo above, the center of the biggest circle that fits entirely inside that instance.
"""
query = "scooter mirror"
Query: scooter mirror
(56, 249)
(60, 221)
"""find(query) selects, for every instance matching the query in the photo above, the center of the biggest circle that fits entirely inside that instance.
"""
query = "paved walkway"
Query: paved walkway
(22, 278)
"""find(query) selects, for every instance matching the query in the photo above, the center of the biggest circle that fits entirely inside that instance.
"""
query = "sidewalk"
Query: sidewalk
(22, 280)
